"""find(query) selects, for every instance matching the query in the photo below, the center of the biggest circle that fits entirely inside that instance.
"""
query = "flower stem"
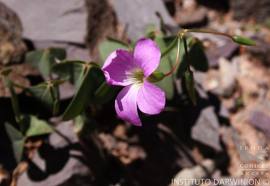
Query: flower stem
(188, 76)
(170, 47)
(181, 36)
(19, 86)
(177, 61)
(186, 53)
(207, 32)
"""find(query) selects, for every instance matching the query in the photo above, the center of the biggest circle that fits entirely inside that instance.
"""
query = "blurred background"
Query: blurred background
(225, 136)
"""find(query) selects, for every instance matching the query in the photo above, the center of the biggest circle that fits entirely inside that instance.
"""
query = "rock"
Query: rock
(125, 152)
(260, 120)
(170, 5)
(61, 20)
(228, 73)
(70, 21)
(11, 44)
(217, 47)
(4, 176)
(137, 15)
(222, 82)
(261, 50)
(234, 103)
(198, 172)
(221, 5)
(206, 129)
(191, 18)
(87, 21)
(18, 75)
(101, 21)
(226, 50)
(57, 162)
(256, 153)
(253, 78)
(74, 52)
(66, 91)
(255, 9)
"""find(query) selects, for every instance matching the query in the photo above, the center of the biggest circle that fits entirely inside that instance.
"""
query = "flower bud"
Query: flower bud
(156, 76)
(243, 40)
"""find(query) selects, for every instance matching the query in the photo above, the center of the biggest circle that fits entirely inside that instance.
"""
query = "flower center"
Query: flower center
(136, 76)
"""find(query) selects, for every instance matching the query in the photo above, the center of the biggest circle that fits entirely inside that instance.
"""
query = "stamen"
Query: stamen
(136, 76)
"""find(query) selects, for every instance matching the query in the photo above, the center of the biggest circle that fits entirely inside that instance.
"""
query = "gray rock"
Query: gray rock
(198, 172)
(206, 129)
(221, 5)
(226, 50)
(228, 73)
(261, 50)
(136, 15)
(57, 162)
(242, 148)
(187, 18)
(75, 21)
(222, 47)
(11, 44)
(101, 22)
(58, 20)
(74, 52)
(261, 121)
(258, 9)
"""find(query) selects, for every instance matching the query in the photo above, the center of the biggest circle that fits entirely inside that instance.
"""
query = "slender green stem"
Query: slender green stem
(19, 86)
(55, 100)
(118, 41)
(177, 60)
(169, 48)
(186, 52)
(189, 79)
(181, 36)
(208, 32)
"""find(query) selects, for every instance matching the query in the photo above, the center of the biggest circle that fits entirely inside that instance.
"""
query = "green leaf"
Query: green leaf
(14, 99)
(190, 86)
(172, 52)
(70, 70)
(92, 78)
(44, 59)
(79, 124)
(108, 46)
(165, 66)
(243, 40)
(197, 56)
(84, 126)
(105, 93)
(36, 127)
(47, 93)
(182, 68)
(17, 140)
(170, 46)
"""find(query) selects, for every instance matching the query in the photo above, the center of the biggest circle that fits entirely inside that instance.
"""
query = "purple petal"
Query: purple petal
(126, 105)
(147, 55)
(151, 99)
(117, 66)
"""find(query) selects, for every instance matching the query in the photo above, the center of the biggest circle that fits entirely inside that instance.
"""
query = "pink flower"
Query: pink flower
(131, 70)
